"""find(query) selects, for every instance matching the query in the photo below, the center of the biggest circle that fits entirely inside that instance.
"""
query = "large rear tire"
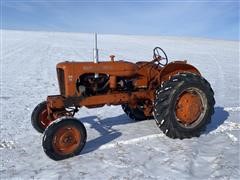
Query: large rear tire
(135, 114)
(64, 138)
(184, 105)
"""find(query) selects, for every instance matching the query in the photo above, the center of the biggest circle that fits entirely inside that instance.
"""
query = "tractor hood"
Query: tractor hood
(117, 68)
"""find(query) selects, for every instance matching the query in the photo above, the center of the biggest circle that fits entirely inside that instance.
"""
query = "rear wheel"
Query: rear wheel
(64, 138)
(136, 114)
(39, 118)
(184, 106)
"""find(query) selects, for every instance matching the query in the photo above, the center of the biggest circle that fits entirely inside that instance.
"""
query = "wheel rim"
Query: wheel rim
(66, 140)
(190, 107)
(43, 119)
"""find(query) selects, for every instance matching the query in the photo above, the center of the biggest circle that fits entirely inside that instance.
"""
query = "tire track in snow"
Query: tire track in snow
(7, 144)
(232, 109)
(130, 141)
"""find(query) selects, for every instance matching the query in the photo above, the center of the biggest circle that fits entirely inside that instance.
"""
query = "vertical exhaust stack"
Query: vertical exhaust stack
(95, 52)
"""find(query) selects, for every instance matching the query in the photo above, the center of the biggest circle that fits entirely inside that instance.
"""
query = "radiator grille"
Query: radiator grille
(61, 81)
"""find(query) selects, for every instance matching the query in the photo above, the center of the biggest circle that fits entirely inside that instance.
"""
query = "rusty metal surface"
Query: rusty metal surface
(188, 107)
(146, 78)
(72, 71)
(177, 67)
(66, 140)
(55, 102)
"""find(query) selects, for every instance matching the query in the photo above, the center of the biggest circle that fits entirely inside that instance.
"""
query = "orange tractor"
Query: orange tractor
(174, 94)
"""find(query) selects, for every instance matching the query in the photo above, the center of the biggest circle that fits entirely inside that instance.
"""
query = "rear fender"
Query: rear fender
(177, 67)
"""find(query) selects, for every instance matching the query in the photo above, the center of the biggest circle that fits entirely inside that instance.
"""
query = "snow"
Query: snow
(117, 147)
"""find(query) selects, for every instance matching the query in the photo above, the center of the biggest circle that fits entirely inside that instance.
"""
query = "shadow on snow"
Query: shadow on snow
(108, 133)
(106, 130)
(218, 118)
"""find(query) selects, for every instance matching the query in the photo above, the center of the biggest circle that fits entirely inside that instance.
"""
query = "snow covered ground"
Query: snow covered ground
(117, 147)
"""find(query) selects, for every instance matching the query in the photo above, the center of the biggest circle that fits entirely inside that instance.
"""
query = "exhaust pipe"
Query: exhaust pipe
(95, 52)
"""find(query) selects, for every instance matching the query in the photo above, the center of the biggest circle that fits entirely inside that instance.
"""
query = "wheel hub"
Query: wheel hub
(189, 107)
(43, 117)
(66, 140)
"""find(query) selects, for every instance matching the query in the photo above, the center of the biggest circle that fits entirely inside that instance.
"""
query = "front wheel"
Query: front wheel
(184, 106)
(39, 118)
(64, 138)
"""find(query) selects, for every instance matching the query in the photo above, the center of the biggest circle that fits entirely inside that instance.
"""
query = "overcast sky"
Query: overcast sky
(211, 19)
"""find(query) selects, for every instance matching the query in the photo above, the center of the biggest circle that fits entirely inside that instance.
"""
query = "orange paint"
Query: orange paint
(188, 107)
(66, 140)
(145, 78)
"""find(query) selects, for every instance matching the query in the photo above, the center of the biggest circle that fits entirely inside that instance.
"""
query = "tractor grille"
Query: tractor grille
(61, 81)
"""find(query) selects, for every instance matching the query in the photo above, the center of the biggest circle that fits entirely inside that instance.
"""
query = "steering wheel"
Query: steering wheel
(159, 55)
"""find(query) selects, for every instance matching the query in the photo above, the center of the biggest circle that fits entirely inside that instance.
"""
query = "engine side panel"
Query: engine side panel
(73, 70)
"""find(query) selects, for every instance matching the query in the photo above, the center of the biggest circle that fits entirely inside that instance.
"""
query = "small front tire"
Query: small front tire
(39, 118)
(64, 138)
